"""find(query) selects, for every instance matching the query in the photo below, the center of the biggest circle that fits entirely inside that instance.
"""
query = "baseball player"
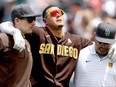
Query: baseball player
(55, 52)
(15, 66)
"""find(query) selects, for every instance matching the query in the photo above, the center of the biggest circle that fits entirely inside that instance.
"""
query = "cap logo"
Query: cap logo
(107, 32)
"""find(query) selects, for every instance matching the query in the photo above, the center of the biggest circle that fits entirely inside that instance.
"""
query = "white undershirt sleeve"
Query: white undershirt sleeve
(19, 42)
(7, 27)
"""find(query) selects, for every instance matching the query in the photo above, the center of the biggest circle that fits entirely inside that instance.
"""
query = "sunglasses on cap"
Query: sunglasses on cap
(29, 19)
(101, 43)
(54, 13)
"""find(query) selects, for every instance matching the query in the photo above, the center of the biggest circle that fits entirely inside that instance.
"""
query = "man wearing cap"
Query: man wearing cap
(15, 66)
(95, 68)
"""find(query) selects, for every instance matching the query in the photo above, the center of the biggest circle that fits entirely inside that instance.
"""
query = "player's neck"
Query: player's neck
(57, 32)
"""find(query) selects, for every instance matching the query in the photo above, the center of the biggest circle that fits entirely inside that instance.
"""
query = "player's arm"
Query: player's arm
(112, 53)
(19, 42)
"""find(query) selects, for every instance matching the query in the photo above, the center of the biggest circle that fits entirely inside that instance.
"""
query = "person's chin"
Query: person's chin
(29, 32)
(60, 25)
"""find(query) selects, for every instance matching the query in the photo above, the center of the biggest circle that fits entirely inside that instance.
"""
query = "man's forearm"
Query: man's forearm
(19, 42)
(7, 27)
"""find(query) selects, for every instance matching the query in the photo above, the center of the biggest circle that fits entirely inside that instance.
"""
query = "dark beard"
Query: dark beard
(102, 55)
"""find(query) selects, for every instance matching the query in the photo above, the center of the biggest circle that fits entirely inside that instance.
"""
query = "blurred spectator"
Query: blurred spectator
(20, 1)
(75, 16)
(1, 10)
(109, 11)
(85, 24)
(96, 7)
(6, 9)
(64, 4)
(110, 7)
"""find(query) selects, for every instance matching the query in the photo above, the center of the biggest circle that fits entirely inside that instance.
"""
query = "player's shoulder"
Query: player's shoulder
(75, 37)
(6, 39)
(38, 30)
(72, 35)
(3, 35)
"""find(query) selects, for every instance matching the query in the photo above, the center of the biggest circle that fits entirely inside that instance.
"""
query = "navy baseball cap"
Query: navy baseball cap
(23, 10)
(105, 33)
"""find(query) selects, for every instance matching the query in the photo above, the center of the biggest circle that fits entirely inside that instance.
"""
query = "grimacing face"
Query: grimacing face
(54, 21)
(102, 48)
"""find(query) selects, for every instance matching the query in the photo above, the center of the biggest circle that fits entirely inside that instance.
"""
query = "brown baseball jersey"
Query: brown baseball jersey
(54, 59)
(15, 66)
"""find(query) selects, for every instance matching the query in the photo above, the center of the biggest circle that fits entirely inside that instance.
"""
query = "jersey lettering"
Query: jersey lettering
(61, 50)
(46, 49)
